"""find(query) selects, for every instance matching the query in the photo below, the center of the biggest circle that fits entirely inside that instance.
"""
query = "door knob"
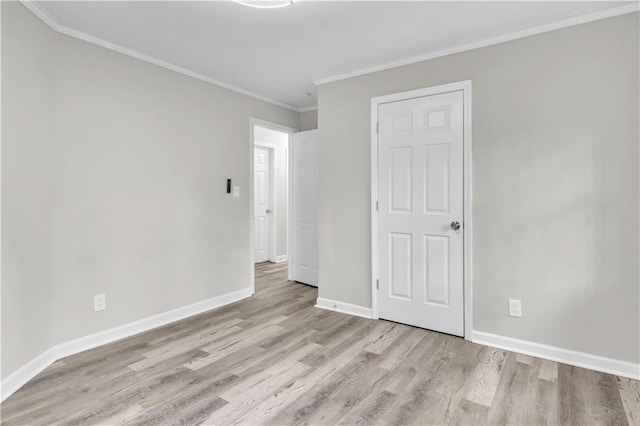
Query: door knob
(455, 225)
(268, 210)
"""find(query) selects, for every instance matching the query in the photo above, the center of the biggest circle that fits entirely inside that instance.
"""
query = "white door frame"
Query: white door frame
(273, 197)
(290, 131)
(465, 86)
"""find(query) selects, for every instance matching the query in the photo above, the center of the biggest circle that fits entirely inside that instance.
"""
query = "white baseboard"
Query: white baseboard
(18, 378)
(280, 259)
(132, 328)
(22, 375)
(345, 308)
(553, 353)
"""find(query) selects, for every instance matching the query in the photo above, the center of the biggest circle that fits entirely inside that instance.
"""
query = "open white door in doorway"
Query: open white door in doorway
(420, 233)
(304, 184)
(262, 203)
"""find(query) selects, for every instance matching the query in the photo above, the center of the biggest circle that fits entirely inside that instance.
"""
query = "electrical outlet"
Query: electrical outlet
(99, 302)
(515, 308)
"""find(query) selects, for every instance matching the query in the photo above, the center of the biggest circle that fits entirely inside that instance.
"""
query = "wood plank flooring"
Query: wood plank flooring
(275, 359)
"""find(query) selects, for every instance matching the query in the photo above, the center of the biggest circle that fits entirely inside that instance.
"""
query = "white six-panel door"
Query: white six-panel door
(420, 184)
(304, 253)
(262, 197)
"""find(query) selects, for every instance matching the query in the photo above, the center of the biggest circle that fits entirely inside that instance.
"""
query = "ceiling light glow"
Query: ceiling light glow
(265, 4)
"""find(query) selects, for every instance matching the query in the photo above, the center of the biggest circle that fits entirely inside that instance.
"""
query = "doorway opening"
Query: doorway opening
(269, 193)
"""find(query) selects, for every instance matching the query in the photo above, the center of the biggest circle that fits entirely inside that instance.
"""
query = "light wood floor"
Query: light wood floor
(275, 359)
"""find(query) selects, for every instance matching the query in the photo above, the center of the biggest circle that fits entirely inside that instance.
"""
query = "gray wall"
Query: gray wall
(308, 120)
(26, 186)
(281, 141)
(123, 194)
(555, 160)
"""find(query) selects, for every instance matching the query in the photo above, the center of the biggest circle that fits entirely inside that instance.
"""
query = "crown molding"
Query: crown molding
(308, 108)
(51, 22)
(44, 17)
(583, 19)
(595, 16)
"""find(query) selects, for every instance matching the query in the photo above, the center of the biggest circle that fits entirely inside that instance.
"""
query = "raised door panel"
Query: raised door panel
(436, 267)
(400, 266)
(400, 176)
(436, 178)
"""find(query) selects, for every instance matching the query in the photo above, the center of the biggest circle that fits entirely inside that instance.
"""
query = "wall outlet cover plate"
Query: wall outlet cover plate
(515, 308)
(99, 302)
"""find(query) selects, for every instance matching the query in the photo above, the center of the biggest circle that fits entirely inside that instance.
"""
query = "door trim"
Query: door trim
(465, 87)
(290, 131)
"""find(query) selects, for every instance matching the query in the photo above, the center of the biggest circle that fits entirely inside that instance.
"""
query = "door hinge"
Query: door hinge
(377, 284)
(376, 206)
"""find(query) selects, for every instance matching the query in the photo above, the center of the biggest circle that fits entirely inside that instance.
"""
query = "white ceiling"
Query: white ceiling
(278, 53)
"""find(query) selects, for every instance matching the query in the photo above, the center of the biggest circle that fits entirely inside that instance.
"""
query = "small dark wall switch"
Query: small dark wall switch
(228, 186)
